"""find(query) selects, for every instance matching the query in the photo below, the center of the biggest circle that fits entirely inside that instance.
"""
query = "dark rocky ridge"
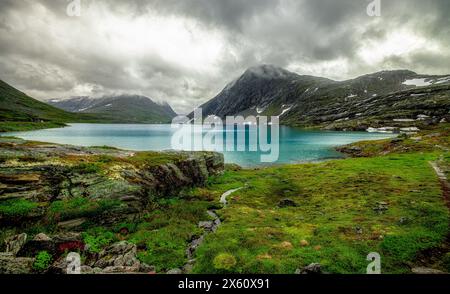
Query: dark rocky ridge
(367, 101)
(121, 109)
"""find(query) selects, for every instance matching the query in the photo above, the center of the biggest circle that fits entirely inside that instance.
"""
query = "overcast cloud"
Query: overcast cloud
(185, 51)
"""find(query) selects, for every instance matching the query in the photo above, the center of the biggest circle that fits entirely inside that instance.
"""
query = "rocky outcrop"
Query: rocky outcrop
(119, 254)
(312, 269)
(9, 264)
(15, 243)
(117, 258)
(69, 187)
(118, 184)
(55, 245)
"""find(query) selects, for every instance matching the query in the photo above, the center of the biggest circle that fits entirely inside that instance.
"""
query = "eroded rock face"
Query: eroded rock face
(9, 264)
(313, 268)
(119, 258)
(175, 271)
(47, 181)
(118, 254)
(55, 245)
(15, 243)
(44, 173)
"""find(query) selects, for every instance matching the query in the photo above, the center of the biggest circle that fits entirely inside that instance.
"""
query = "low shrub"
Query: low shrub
(42, 261)
(17, 207)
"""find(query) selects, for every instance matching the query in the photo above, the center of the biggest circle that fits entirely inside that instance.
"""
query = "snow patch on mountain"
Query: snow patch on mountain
(417, 82)
(285, 109)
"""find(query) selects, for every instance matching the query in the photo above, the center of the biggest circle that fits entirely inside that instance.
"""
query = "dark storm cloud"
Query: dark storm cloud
(185, 51)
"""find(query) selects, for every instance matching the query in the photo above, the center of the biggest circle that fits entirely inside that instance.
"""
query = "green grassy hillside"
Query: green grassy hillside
(19, 111)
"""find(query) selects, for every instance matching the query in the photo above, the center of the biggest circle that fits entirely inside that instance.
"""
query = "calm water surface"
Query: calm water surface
(295, 145)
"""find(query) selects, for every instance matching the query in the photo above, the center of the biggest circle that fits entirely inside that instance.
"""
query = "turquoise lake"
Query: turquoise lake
(295, 145)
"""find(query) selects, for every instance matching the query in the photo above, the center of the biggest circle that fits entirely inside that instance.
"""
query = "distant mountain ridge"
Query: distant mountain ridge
(308, 101)
(122, 108)
(18, 111)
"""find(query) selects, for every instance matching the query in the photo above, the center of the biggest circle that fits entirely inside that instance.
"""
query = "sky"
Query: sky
(184, 52)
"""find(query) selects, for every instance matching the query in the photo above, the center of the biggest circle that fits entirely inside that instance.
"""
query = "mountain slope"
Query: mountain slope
(17, 106)
(312, 101)
(123, 109)
(258, 89)
(18, 111)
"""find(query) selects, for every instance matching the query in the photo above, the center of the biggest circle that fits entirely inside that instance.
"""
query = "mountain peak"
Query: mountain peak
(267, 71)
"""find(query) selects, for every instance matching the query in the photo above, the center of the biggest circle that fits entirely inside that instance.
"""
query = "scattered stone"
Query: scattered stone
(119, 254)
(41, 237)
(443, 121)
(286, 245)
(426, 271)
(359, 230)
(207, 225)
(120, 269)
(403, 220)
(381, 207)
(72, 224)
(59, 267)
(175, 271)
(145, 268)
(397, 140)
(86, 270)
(355, 149)
(187, 268)
(313, 268)
(287, 203)
(15, 243)
(9, 264)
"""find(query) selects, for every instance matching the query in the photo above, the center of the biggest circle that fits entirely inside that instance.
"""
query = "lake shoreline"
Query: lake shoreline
(296, 146)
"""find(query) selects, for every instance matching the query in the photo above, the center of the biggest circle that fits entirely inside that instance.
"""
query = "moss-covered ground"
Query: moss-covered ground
(337, 220)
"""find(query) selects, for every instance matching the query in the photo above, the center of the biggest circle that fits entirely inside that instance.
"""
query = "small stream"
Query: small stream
(209, 227)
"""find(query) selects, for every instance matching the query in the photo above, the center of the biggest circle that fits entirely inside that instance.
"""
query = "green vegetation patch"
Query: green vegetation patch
(98, 238)
(166, 232)
(80, 207)
(344, 210)
(17, 207)
(42, 261)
